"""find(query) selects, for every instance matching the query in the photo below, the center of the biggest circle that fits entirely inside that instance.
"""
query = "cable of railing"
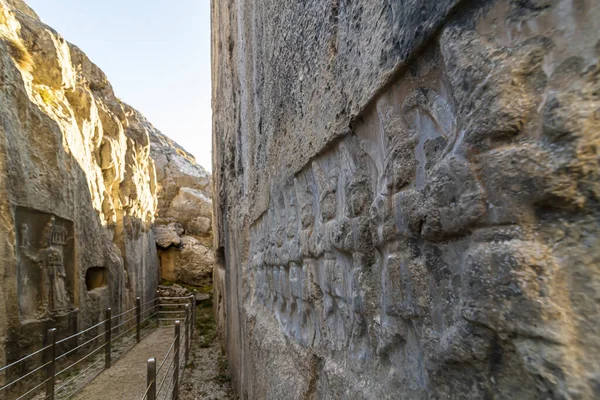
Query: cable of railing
(61, 387)
(170, 389)
(123, 313)
(24, 358)
(148, 302)
(158, 390)
(166, 357)
(148, 388)
(80, 346)
(80, 360)
(30, 391)
(150, 308)
(123, 323)
(172, 305)
(148, 318)
(74, 392)
(176, 298)
(25, 376)
(80, 333)
(172, 312)
(123, 333)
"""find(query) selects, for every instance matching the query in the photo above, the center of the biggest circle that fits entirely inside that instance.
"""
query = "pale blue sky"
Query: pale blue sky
(155, 53)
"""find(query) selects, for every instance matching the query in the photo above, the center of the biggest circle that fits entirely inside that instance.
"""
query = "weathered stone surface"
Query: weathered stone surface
(189, 204)
(191, 263)
(176, 170)
(199, 226)
(168, 235)
(184, 235)
(407, 198)
(195, 262)
(78, 194)
(173, 291)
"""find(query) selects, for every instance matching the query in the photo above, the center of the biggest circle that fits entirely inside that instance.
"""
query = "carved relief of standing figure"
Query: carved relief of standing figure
(328, 205)
(308, 289)
(50, 260)
(354, 235)
(336, 315)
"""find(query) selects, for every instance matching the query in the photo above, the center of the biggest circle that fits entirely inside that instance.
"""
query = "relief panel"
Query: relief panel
(46, 264)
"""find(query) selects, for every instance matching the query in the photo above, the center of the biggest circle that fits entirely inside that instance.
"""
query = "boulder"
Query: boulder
(199, 226)
(168, 235)
(195, 262)
(188, 204)
(190, 264)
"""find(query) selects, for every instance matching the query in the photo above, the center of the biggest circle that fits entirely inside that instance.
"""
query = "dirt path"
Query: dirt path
(206, 376)
(126, 379)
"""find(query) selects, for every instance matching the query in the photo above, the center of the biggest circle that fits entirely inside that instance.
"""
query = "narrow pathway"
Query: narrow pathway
(126, 379)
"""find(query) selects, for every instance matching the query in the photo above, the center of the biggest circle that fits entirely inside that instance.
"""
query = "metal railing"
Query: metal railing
(54, 368)
(164, 382)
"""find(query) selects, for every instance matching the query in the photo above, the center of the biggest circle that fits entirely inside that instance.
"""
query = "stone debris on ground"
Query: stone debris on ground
(206, 376)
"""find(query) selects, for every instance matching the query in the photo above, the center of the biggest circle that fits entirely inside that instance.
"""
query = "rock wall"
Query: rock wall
(183, 229)
(78, 189)
(407, 198)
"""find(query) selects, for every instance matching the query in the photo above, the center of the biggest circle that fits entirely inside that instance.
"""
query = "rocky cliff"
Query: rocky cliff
(183, 227)
(78, 188)
(407, 198)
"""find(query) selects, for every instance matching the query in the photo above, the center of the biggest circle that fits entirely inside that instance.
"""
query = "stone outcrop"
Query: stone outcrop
(78, 188)
(407, 198)
(183, 229)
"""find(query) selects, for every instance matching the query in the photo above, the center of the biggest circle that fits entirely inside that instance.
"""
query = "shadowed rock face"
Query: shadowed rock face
(77, 188)
(407, 198)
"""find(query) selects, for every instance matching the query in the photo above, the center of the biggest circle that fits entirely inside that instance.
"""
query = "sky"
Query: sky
(156, 55)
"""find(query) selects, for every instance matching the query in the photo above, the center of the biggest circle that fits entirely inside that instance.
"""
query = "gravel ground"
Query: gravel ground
(206, 376)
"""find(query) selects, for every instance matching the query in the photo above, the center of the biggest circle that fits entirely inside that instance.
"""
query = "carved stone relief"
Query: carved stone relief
(46, 264)
(411, 236)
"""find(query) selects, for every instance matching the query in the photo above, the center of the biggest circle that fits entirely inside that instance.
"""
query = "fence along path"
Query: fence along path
(62, 375)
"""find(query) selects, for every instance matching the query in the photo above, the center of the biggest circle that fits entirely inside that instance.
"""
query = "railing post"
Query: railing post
(188, 317)
(138, 318)
(157, 305)
(193, 315)
(107, 338)
(51, 369)
(151, 380)
(176, 360)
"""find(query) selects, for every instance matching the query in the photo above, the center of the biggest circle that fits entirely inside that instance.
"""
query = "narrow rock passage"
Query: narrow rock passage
(126, 379)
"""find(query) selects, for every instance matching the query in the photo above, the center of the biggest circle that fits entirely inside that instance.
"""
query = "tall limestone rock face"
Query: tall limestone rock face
(407, 198)
(183, 229)
(78, 189)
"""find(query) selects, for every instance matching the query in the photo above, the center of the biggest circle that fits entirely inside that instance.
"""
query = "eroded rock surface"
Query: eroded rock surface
(78, 195)
(407, 198)
(183, 229)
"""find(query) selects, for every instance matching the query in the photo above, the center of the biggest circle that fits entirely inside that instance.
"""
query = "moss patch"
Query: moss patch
(47, 96)
(223, 375)
(200, 289)
(205, 323)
